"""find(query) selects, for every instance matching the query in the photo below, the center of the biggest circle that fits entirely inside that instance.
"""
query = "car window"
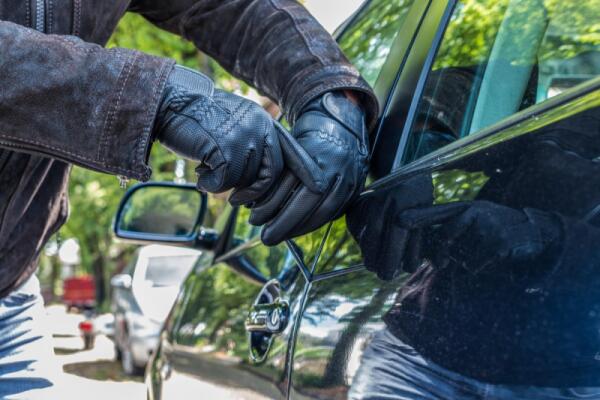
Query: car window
(339, 251)
(498, 57)
(368, 40)
(169, 270)
(244, 231)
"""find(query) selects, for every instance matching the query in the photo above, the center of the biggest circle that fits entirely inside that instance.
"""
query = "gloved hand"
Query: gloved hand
(234, 139)
(316, 188)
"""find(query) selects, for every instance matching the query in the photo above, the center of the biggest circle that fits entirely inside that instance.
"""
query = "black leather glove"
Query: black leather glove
(234, 139)
(331, 130)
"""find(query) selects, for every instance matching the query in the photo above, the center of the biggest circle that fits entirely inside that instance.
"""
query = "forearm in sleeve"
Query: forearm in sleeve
(78, 102)
(274, 45)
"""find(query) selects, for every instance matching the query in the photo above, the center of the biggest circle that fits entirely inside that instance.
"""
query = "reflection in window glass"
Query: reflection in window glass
(310, 244)
(368, 41)
(268, 261)
(244, 231)
(499, 57)
(340, 250)
(161, 210)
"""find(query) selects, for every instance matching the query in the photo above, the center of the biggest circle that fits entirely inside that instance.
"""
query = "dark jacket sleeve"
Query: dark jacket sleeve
(78, 102)
(274, 45)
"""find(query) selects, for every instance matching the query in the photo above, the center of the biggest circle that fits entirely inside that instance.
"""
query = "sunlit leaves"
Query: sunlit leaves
(367, 43)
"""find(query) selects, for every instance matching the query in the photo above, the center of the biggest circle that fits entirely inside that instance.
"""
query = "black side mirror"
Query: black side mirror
(163, 212)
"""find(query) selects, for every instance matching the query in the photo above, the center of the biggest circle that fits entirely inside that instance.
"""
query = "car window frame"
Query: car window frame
(438, 157)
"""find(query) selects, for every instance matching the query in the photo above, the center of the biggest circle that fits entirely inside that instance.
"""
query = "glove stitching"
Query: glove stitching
(334, 139)
(234, 119)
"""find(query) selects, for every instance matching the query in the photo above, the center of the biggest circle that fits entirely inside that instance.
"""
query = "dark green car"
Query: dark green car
(489, 288)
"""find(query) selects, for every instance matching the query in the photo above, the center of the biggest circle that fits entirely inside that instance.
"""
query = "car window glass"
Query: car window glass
(310, 244)
(339, 251)
(218, 211)
(367, 42)
(269, 261)
(169, 270)
(306, 246)
(244, 231)
(498, 57)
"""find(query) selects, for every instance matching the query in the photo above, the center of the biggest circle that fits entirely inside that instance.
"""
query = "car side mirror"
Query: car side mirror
(122, 281)
(163, 212)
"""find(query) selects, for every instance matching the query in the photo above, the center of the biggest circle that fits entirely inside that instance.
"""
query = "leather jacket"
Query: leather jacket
(67, 100)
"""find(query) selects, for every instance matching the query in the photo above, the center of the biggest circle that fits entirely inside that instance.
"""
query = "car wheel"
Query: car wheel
(88, 341)
(118, 354)
(128, 363)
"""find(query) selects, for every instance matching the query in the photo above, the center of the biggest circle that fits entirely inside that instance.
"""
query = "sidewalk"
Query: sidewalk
(92, 374)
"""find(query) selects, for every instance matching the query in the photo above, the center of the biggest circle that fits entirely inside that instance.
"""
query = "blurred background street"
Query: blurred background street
(93, 372)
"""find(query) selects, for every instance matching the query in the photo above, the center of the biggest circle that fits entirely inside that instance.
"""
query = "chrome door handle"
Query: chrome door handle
(165, 371)
(268, 318)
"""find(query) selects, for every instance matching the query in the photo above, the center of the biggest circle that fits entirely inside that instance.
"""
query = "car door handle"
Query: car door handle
(268, 318)
(165, 371)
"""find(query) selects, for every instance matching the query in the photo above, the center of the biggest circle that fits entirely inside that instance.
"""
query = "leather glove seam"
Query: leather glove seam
(234, 118)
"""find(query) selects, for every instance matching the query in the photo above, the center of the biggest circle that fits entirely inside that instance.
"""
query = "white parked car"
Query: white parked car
(142, 298)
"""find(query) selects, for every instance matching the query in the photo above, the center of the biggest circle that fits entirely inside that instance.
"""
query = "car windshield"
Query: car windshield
(169, 270)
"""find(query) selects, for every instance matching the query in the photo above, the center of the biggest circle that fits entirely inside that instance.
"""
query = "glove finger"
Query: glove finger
(269, 172)
(330, 208)
(268, 209)
(212, 180)
(284, 226)
(300, 162)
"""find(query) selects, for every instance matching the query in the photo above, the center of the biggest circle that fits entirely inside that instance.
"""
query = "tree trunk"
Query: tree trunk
(54, 276)
(99, 279)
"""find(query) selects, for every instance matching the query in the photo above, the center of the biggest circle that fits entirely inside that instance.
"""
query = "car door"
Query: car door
(205, 347)
(502, 121)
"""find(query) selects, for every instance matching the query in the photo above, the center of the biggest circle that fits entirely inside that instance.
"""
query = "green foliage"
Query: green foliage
(134, 32)
(457, 185)
(367, 43)
(573, 29)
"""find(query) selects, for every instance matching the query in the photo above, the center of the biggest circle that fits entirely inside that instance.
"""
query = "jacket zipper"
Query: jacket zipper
(40, 25)
(40, 15)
